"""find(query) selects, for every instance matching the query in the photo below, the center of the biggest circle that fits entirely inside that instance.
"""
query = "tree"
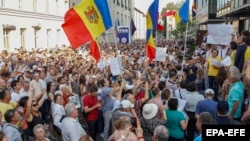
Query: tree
(181, 28)
(169, 6)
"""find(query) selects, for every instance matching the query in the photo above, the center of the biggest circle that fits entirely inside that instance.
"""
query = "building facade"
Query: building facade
(235, 12)
(32, 24)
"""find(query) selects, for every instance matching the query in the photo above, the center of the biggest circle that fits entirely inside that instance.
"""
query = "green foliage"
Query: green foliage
(181, 28)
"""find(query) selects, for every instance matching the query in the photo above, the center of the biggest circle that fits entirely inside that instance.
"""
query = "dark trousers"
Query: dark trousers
(213, 84)
(191, 127)
(92, 128)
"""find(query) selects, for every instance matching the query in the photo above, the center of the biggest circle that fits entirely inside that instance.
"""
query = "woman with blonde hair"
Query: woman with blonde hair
(86, 138)
(122, 131)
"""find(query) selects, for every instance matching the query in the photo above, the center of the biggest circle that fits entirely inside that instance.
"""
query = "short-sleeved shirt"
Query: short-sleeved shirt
(191, 73)
(212, 71)
(236, 93)
(91, 101)
(4, 107)
(174, 118)
(247, 53)
(207, 105)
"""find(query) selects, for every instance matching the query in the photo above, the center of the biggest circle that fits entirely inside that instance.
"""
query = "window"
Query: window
(22, 33)
(129, 5)
(58, 37)
(126, 4)
(2, 3)
(20, 4)
(57, 7)
(6, 38)
(35, 5)
(122, 3)
(48, 37)
(47, 6)
(118, 2)
(113, 1)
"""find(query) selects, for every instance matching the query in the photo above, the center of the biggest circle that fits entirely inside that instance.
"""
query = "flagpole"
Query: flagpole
(185, 47)
(155, 47)
(120, 65)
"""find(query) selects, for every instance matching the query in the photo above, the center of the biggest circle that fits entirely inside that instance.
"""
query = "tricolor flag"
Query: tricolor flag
(194, 8)
(150, 47)
(132, 27)
(152, 15)
(86, 21)
(184, 11)
(169, 13)
(95, 50)
(152, 23)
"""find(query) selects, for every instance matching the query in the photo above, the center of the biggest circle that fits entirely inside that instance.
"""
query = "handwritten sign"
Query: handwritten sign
(219, 34)
(161, 54)
(115, 66)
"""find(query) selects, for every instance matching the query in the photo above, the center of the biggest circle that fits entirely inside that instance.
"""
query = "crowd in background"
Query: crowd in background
(62, 94)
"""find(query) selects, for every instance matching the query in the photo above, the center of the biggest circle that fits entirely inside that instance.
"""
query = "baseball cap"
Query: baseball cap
(209, 91)
(126, 104)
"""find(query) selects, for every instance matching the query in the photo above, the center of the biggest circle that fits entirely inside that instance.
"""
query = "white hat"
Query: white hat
(209, 91)
(126, 104)
(149, 110)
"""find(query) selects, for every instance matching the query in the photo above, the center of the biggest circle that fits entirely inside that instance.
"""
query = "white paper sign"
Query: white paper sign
(219, 34)
(75, 100)
(102, 64)
(161, 54)
(115, 66)
(226, 61)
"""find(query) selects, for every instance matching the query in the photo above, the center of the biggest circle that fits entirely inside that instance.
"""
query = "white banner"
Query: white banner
(160, 54)
(219, 34)
(115, 66)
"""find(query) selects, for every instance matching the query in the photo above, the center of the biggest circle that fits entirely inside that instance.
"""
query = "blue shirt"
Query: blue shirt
(198, 138)
(108, 103)
(236, 93)
(206, 105)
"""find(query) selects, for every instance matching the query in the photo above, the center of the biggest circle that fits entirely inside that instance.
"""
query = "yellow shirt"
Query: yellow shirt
(4, 107)
(212, 71)
(247, 53)
(233, 54)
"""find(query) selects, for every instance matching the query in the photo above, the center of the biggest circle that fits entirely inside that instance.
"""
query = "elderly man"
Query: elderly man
(71, 128)
(10, 128)
(40, 133)
(57, 111)
(236, 94)
(161, 133)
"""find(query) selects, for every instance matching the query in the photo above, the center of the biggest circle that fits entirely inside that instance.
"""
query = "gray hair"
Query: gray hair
(69, 108)
(38, 126)
(161, 133)
(235, 73)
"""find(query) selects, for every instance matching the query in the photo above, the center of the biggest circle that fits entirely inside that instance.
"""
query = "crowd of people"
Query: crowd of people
(63, 94)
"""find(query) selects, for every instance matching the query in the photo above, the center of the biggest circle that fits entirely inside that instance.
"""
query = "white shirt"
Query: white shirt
(15, 97)
(222, 52)
(57, 113)
(37, 85)
(44, 86)
(71, 129)
(23, 93)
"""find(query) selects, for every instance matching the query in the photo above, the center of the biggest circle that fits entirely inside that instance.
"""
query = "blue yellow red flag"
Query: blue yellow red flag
(86, 21)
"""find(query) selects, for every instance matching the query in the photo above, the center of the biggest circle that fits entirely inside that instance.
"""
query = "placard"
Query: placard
(219, 34)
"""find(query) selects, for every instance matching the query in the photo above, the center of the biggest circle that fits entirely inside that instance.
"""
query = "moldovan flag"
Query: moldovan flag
(150, 47)
(95, 51)
(152, 15)
(86, 21)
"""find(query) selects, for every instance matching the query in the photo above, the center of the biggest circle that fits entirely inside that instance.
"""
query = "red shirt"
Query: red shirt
(91, 101)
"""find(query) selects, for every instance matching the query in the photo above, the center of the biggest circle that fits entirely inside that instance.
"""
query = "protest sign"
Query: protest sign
(161, 54)
(115, 66)
(219, 34)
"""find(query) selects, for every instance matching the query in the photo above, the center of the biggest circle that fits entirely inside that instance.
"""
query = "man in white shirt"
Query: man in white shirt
(223, 51)
(15, 95)
(57, 110)
(71, 128)
(36, 84)
(25, 89)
